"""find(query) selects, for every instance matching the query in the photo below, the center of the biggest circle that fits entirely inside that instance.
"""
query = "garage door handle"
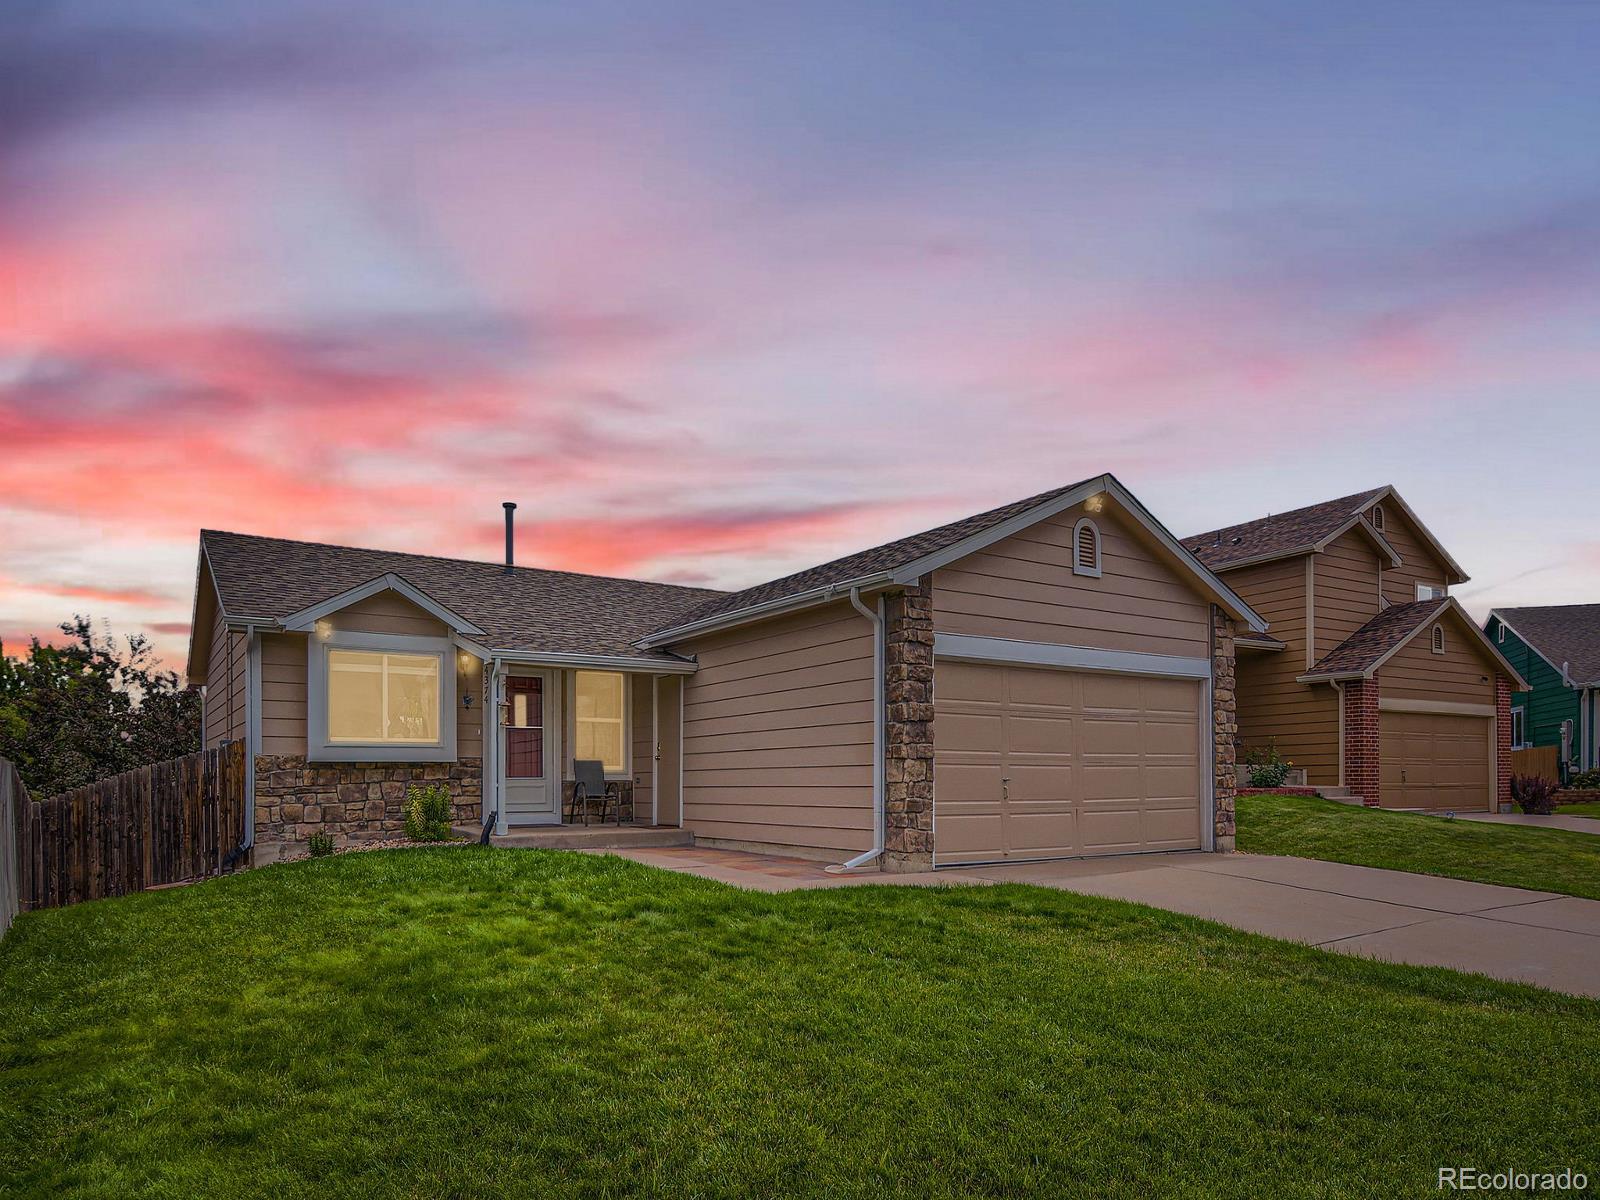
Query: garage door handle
(1005, 787)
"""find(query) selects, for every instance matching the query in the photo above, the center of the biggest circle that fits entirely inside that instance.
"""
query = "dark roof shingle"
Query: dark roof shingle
(1562, 633)
(529, 609)
(1358, 652)
(878, 560)
(1281, 533)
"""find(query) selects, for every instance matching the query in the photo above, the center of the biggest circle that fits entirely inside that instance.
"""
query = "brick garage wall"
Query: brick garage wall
(1502, 741)
(353, 801)
(908, 729)
(1224, 728)
(1361, 739)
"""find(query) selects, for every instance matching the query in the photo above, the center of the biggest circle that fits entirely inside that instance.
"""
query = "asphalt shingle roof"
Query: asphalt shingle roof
(1281, 533)
(1563, 633)
(1378, 636)
(530, 609)
(879, 559)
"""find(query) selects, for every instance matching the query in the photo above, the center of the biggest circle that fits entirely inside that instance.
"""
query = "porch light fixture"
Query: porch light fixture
(324, 630)
(466, 699)
(1095, 502)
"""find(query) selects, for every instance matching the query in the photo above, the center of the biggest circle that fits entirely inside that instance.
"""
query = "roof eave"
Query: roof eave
(770, 608)
(1388, 492)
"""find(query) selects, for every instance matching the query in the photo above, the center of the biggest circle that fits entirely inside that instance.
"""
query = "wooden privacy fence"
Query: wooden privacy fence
(169, 822)
(1543, 761)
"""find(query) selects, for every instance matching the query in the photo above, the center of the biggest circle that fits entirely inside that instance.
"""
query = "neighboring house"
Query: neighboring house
(1557, 650)
(1374, 680)
(1050, 678)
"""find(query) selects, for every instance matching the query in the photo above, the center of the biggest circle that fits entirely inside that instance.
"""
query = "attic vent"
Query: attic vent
(1377, 517)
(1438, 639)
(1086, 548)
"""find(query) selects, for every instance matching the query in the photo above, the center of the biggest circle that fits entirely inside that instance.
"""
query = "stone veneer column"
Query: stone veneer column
(908, 729)
(1361, 739)
(1502, 742)
(1225, 728)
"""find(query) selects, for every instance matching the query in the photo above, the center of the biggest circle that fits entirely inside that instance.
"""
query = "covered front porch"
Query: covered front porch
(543, 715)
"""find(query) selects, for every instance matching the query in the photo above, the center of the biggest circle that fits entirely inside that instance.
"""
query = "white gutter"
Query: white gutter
(875, 619)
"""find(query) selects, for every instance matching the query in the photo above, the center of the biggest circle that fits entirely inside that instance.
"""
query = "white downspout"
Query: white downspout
(876, 622)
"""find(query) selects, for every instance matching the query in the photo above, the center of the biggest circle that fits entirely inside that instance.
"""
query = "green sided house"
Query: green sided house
(1557, 650)
(1052, 678)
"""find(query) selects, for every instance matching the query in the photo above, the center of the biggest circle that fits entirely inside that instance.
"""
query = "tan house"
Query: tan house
(1374, 678)
(1051, 678)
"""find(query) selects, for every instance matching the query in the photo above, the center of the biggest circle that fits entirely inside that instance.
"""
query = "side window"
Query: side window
(1518, 728)
(1500, 633)
(1086, 548)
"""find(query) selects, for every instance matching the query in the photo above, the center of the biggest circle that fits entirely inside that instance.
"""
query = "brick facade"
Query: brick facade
(908, 729)
(1224, 728)
(352, 801)
(1361, 732)
(1502, 742)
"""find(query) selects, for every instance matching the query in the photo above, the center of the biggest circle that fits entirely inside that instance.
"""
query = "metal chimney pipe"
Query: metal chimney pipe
(510, 506)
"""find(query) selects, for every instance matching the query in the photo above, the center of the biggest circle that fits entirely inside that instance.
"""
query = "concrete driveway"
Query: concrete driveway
(1534, 937)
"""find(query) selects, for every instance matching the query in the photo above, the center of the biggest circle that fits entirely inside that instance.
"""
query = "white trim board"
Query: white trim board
(307, 618)
(1076, 658)
(1443, 708)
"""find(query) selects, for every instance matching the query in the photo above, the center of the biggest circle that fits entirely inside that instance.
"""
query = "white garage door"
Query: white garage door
(1045, 763)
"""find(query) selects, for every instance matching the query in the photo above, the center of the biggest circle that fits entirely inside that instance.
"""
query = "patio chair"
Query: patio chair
(590, 783)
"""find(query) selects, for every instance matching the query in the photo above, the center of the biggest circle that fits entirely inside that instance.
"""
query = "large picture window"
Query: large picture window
(600, 719)
(378, 698)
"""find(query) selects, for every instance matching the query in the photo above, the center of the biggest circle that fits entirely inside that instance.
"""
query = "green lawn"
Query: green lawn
(1585, 808)
(469, 1022)
(1549, 860)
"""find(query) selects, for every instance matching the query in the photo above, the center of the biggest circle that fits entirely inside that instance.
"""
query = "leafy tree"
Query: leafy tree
(76, 713)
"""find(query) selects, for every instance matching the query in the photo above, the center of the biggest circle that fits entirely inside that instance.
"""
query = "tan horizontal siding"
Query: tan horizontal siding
(643, 751)
(1346, 589)
(1274, 708)
(1023, 588)
(1461, 675)
(1420, 565)
(778, 732)
(283, 693)
(387, 612)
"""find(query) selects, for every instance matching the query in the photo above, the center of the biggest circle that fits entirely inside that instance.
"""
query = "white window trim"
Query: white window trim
(1500, 634)
(571, 723)
(1519, 728)
(1094, 571)
(1436, 639)
(318, 746)
(1431, 591)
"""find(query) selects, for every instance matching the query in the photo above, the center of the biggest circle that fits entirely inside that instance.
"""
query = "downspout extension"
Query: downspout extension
(876, 621)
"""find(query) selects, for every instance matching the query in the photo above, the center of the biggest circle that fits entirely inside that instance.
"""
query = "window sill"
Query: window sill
(438, 753)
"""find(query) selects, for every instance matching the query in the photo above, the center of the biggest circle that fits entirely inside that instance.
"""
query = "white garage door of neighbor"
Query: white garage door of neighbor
(1034, 762)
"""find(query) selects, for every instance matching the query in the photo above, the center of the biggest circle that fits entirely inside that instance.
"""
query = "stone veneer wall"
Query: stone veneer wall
(908, 729)
(353, 801)
(1224, 729)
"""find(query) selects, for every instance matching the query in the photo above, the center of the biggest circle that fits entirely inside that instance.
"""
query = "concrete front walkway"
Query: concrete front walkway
(1509, 933)
(1553, 821)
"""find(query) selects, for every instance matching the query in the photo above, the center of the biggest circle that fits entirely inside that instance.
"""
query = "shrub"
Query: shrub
(1268, 768)
(1534, 794)
(1584, 781)
(428, 813)
(320, 845)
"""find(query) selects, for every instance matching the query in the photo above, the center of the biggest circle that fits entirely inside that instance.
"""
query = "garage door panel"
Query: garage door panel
(1035, 782)
(976, 732)
(1112, 692)
(1435, 761)
(1041, 763)
(1104, 735)
(1041, 733)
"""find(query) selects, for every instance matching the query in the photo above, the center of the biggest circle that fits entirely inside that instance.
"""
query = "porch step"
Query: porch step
(587, 837)
(1343, 796)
